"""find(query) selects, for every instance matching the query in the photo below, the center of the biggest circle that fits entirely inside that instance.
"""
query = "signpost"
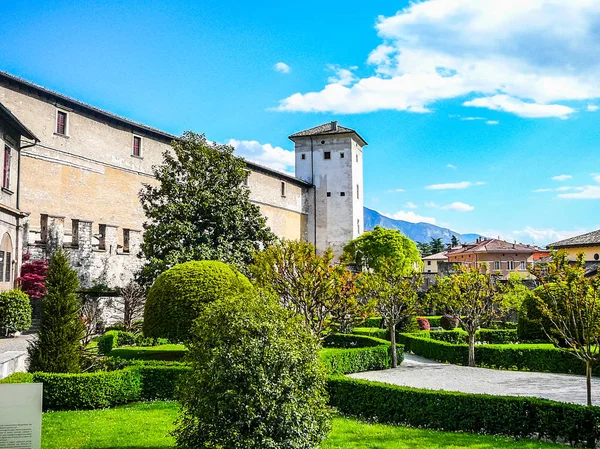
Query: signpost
(20, 416)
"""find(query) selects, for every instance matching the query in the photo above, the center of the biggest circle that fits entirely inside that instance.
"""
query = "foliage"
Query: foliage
(448, 322)
(256, 379)
(491, 336)
(436, 245)
(161, 382)
(515, 292)
(15, 312)
(356, 360)
(18, 378)
(372, 248)
(130, 304)
(57, 349)
(89, 390)
(496, 415)
(92, 316)
(353, 341)
(454, 241)
(372, 332)
(323, 293)
(161, 352)
(113, 339)
(178, 295)
(200, 209)
(529, 322)
(571, 304)
(423, 324)
(472, 293)
(375, 321)
(33, 277)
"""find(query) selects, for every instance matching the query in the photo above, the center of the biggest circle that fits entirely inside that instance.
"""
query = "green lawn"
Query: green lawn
(147, 424)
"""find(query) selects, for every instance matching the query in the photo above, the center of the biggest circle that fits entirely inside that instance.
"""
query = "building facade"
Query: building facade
(80, 178)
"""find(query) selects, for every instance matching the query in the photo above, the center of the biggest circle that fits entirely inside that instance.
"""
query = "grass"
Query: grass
(162, 352)
(147, 424)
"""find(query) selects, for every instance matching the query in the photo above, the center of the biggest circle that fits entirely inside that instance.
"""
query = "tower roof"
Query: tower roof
(327, 129)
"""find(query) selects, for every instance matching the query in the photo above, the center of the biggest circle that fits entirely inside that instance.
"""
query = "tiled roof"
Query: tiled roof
(493, 246)
(327, 129)
(438, 256)
(589, 239)
(16, 123)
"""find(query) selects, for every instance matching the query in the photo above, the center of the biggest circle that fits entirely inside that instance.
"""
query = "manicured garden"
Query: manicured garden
(147, 425)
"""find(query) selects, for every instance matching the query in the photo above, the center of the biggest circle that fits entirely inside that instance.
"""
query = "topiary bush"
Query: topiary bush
(179, 294)
(423, 324)
(256, 380)
(448, 322)
(529, 323)
(15, 312)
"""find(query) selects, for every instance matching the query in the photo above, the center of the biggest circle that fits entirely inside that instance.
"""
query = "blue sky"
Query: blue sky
(480, 116)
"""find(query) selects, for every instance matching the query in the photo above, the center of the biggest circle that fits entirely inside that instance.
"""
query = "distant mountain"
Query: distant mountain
(419, 232)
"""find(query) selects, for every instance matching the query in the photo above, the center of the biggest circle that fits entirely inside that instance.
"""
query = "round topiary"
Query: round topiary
(15, 312)
(177, 296)
(423, 324)
(448, 322)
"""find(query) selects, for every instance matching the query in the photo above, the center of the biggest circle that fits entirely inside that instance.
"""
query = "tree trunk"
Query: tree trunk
(588, 381)
(393, 347)
(471, 348)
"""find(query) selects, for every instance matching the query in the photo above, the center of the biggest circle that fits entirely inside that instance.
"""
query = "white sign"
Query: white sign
(20, 416)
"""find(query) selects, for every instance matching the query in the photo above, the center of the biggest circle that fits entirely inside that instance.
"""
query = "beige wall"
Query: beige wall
(588, 251)
(491, 258)
(430, 266)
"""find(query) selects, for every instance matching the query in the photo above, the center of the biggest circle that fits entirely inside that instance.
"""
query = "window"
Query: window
(61, 123)
(358, 225)
(357, 192)
(322, 142)
(1, 266)
(303, 156)
(283, 188)
(429, 262)
(342, 193)
(510, 264)
(6, 173)
(125, 240)
(7, 268)
(247, 178)
(341, 155)
(523, 265)
(357, 158)
(137, 146)
(596, 256)
(327, 155)
(328, 194)
(497, 265)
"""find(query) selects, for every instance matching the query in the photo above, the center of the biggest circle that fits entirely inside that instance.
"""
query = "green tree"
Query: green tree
(322, 292)
(570, 302)
(200, 209)
(454, 241)
(473, 296)
(57, 349)
(15, 312)
(436, 245)
(256, 380)
(373, 247)
(395, 296)
(425, 249)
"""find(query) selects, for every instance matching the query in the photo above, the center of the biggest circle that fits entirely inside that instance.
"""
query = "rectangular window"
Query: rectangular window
(8, 266)
(61, 122)
(137, 146)
(327, 155)
(303, 156)
(328, 194)
(429, 262)
(125, 240)
(1, 266)
(510, 265)
(283, 188)
(357, 192)
(6, 173)
(357, 158)
(523, 265)
(341, 155)
(342, 193)
(497, 265)
(358, 225)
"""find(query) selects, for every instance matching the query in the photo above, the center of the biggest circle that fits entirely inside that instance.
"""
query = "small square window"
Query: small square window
(328, 193)
(327, 155)
(341, 155)
(303, 156)
(137, 146)
(429, 262)
(61, 122)
(342, 193)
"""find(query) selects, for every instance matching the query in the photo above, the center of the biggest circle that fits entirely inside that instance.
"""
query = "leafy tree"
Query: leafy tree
(570, 302)
(473, 296)
(256, 380)
(395, 295)
(15, 312)
(454, 241)
(425, 249)
(373, 247)
(436, 245)
(322, 292)
(58, 348)
(179, 294)
(33, 277)
(200, 209)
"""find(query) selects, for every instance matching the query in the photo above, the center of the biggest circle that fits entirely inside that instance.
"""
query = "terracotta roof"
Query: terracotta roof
(493, 246)
(16, 123)
(438, 256)
(327, 129)
(589, 239)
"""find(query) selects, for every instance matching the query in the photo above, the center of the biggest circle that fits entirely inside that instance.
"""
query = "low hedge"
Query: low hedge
(159, 382)
(18, 378)
(375, 321)
(490, 336)
(353, 341)
(113, 339)
(521, 357)
(434, 321)
(371, 332)
(476, 413)
(162, 352)
(355, 360)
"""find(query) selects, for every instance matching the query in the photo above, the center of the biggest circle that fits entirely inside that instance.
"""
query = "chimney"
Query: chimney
(334, 125)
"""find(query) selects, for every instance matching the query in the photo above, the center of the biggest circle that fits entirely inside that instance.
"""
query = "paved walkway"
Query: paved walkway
(423, 373)
(19, 343)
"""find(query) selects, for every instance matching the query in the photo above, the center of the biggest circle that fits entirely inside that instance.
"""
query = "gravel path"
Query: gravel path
(423, 373)
(19, 343)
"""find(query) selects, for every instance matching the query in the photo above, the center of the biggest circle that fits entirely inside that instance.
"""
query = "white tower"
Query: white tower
(330, 157)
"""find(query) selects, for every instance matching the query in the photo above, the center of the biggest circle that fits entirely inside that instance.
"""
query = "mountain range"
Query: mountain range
(418, 232)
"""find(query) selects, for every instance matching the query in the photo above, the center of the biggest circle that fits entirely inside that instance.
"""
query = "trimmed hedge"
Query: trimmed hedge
(15, 312)
(162, 352)
(434, 321)
(371, 332)
(477, 413)
(89, 390)
(113, 339)
(491, 336)
(159, 382)
(510, 357)
(375, 321)
(353, 341)
(18, 378)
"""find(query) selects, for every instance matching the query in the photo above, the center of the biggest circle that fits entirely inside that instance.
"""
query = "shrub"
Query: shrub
(114, 339)
(356, 360)
(160, 382)
(455, 336)
(18, 378)
(372, 332)
(409, 324)
(162, 352)
(495, 324)
(15, 312)
(423, 324)
(256, 379)
(177, 296)
(448, 322)
(58, 346)
(375, 321)
(352, 341)
(89, 390)
(497, 336)
(529, 323)
(434, 321)
(476, 413)
(33, 277)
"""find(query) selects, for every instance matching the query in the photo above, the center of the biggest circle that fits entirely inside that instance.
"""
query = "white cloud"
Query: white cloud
(448, 186)
(468, 119)
(589, 192)
(343, 77)
(561, 177)
(411, 217)
(543, 190)
(592, 107)
(544, 236)
(282, 67)
(453, 167)
(459, 207)
(264, 154)
(492, 122)
(411, 205)
(396, 190)
(522, 57)
(596, 178)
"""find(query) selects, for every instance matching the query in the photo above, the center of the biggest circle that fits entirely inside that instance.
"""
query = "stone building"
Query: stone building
(79, 182)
